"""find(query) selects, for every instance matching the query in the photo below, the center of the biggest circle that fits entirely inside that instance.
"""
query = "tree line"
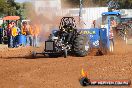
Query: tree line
(11, 8)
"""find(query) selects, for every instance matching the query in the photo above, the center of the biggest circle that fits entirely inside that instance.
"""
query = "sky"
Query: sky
(21, 1)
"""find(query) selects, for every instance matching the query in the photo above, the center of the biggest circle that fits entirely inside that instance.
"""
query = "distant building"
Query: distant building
(126, 13)
(52, 11)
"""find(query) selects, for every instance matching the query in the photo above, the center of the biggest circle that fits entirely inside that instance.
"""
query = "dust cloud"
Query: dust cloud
(48, 13)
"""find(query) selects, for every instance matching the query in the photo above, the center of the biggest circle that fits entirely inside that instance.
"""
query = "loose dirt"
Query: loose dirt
(18, 70)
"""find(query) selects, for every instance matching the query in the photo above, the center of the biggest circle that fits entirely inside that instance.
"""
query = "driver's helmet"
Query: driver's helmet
(54, 32)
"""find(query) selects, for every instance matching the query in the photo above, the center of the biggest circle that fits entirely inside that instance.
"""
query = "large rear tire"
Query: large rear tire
(81, 46)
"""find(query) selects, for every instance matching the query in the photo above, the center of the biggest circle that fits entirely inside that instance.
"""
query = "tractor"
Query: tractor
(69, 40)
(66, 40)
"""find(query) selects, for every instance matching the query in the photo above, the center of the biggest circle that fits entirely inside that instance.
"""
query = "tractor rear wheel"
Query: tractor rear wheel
(81, 46)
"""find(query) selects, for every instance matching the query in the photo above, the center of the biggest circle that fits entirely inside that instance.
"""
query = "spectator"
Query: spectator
(36, 31)
(94, 23)
(24, 28)
(1, 34)
(10, 41)
(27, 31)
(15, 31)
(113, 25)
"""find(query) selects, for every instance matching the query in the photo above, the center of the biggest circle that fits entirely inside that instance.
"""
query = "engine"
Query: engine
(56, 43)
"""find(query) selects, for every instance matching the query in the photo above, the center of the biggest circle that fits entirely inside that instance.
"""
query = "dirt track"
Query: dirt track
(17, 70)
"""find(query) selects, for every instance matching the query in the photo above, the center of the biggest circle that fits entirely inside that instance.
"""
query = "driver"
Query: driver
(67, 31)
(70, 32)
(63, 33)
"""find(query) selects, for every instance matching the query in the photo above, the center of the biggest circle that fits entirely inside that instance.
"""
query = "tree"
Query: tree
(8, 7)
(3, 7)
(11, 7)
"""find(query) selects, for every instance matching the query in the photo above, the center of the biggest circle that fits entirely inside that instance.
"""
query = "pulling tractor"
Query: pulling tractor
(69, 40)
(66, 40)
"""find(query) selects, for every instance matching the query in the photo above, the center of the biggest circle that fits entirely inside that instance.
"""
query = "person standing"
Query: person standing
(29, 35)
(24, 28)
(36, 31)
(113, 25)
(9, 35)
(27, 31)
(14, 32)
(94, 23)
(1, 34)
